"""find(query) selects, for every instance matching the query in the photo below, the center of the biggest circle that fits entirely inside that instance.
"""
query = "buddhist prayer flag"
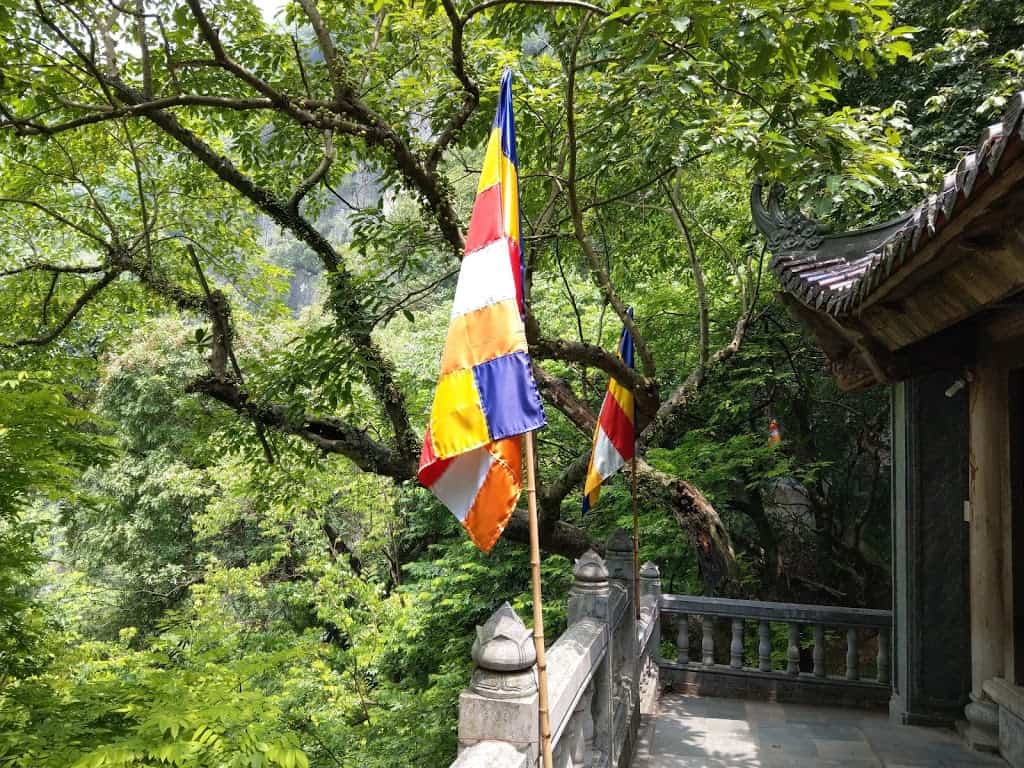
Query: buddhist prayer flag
(486, 396)
(614, 438)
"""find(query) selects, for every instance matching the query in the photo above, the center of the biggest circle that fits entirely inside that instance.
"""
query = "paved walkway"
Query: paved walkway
(690, 732)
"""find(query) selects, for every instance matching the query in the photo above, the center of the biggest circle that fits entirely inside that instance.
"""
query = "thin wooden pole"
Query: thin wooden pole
(538, 608)
(636, 541)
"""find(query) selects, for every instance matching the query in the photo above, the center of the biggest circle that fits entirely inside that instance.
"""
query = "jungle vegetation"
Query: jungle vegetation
(229, 235)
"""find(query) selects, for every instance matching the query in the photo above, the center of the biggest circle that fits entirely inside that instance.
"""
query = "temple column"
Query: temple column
(989, 470)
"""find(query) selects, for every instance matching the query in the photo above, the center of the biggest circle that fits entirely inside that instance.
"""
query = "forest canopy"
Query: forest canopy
(229, 237)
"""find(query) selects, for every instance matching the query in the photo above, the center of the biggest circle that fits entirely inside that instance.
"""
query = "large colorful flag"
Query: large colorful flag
(486, 396)
(614, 437)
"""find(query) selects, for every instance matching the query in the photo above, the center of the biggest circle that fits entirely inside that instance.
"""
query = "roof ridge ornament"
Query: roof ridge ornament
(787, 233)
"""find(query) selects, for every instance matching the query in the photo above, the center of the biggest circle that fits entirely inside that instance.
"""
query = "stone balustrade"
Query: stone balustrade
(597, 670)
(608, 664)
(797, 678)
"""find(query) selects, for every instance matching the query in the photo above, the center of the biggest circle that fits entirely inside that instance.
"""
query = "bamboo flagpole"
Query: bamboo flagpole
(538, 608)
(636, 538)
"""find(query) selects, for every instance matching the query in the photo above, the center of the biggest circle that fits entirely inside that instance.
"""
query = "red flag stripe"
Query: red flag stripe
(617, 426)
(485, 225)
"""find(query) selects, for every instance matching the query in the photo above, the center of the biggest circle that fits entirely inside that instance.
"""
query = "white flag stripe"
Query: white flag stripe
(484, 278)
(607, 460)
(461, 482)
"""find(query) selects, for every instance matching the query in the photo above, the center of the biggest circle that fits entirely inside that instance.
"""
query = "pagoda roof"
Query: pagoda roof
(839, 273)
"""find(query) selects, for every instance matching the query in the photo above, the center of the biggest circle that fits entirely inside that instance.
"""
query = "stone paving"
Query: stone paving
(701, 732)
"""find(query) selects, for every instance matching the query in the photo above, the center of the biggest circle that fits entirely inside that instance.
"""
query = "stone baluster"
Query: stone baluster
(707, 644)
(501, 701)
(883, 655)
(590, 598)
(588, 728)
(819, 650)
(570, 745)
(683, 639)
(793, 652)
(583, 730)
(736, 647)
(852, 673)
(561, 754)
(764, 646)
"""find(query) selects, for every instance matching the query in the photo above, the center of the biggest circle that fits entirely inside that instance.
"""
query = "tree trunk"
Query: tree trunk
(698, 518)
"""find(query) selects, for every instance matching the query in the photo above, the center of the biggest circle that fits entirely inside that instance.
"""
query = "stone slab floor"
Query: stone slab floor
(701, 732)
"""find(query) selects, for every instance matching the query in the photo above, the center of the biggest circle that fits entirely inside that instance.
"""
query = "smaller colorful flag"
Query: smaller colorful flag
(615, 436)
(774, 436)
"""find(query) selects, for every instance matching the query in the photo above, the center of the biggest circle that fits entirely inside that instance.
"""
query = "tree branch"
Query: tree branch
(644, 389)
(334, 73)
(698, 518)
(143, 43)
(481, 7)
(99, 114)
(55, 268)
(328, 434)
(396, 306)
(314, 178)
(600, 273)
(698, 273)
(562, 397)
(221, 57)
(343, 299)
(83, 300)
(557, 538)
(56, 216)
(663, 423)
(471, 91)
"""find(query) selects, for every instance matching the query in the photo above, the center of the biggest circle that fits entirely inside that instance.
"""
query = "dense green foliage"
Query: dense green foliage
(226, 266)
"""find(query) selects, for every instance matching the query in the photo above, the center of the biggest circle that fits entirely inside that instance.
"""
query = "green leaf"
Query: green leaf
(901, 48)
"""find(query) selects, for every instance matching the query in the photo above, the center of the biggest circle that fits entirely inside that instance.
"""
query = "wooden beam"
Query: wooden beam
(976, 275)
(846, 364)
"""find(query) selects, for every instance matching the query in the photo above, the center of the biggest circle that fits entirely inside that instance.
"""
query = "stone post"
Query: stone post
(589, 596)
(619, 559)
(650, 584)
(625, 659)
(590, 599)
(650, 599)
(501, 701)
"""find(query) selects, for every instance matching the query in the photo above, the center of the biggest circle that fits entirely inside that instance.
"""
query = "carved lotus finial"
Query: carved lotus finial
(503, 643)
(590, 568)
(649, 571)
(619, 541)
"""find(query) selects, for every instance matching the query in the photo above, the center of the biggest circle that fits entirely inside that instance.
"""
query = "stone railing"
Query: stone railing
(800, 679)
(597, 670)
(608, 664)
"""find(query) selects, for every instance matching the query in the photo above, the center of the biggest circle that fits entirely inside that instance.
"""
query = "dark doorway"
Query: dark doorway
(1016, 401)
